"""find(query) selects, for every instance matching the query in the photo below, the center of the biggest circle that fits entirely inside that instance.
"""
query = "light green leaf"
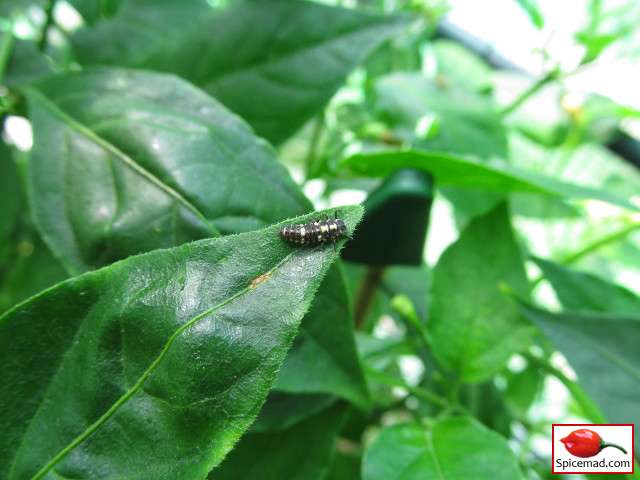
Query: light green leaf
(443, 119)
(461, 67)
(451, 449)
(603, 351)
(128, 161)
(468, 173)
(474, 328)
(323, 358)
(275, 63)
(532, 9)
(152, 367)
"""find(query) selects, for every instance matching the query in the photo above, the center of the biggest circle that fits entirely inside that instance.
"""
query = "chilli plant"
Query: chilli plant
(155, 325)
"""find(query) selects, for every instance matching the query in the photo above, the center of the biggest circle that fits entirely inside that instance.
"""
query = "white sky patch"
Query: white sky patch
(18, 132)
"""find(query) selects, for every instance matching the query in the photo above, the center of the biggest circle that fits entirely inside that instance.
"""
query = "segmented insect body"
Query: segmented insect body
(318, 233)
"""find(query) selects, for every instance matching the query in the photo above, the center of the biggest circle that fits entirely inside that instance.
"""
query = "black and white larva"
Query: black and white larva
(318, 233)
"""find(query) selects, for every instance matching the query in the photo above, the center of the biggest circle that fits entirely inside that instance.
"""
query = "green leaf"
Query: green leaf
(301, 452)
(128, 161)
(95, 10)
(451, 449)
(474, 328)
(284, 410)
(152, 367)
(274, 72)
(460, 121)
(32, 269)
(532, 9)
(323, 358)
(460, 67)
(603, 351)
(26, 63)
(581, 291)
(467, 173)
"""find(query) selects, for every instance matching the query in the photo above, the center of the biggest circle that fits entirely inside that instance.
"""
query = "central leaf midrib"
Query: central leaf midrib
(125, 159)
(129, 393)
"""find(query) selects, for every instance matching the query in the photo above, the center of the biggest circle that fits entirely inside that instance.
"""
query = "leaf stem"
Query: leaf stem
(313, 144)
(369, 283)
(578, 394)
(613, 237)
(48, 10)
(524, 96)
(403, 305)
(419, 392)
(6, 47)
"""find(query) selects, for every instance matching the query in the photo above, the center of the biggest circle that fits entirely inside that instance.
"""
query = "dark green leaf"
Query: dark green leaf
(581, 291)
(283, 410)
(467, 173)
(603, 351)
(152, 367)
(474, 328)
(302, 452)
(451, 449)
(461, 122)
(127, 161)
(323, 358)
(274, 71)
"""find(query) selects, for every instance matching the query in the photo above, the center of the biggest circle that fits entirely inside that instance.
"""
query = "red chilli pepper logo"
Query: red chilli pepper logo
(586, 443)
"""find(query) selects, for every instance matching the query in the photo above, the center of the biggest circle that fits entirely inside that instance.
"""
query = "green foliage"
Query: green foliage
(448, 449)
(154, 325)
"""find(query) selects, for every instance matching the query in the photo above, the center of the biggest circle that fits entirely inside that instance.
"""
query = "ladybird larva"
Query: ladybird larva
(319, 232)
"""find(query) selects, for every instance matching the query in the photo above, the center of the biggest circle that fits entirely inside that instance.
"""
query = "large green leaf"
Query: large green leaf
(467, 173)
(302, 452)
(275, 62)
(451, 449)
(474, 328)
(603, 351)
(323, 358)
(153, 367)
(461, 121)
(581, 291)
(127, 161)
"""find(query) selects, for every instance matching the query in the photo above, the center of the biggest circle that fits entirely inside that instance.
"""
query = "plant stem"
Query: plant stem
(369, 284)
(403, 305)
(313, 144)
(48, 10)
(419, 392)
(615, 236)
(578, 394)
(524, 96)
(6, 47)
